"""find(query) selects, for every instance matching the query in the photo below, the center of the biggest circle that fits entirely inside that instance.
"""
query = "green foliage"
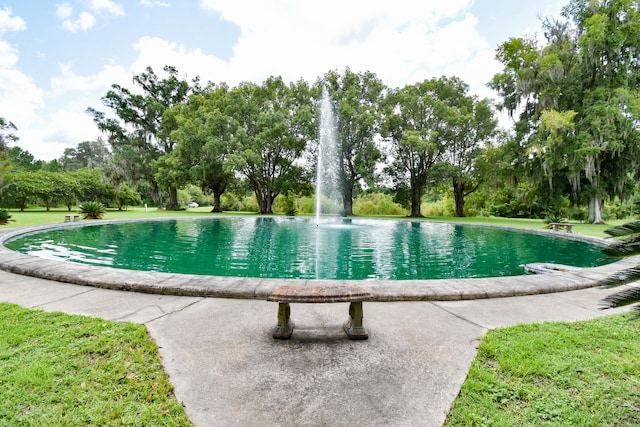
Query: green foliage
(7, 134)
(249, 204)
(578, 102)
(627, 244)
(230, 202)
(5, 217)
(66, 370)
(439, 208)
(306, 204)
(358, 103)
(92, 210)
(87, 155)
(127, 196)
(554, 217)
(142, 131)
(272, 125)
(569, 374)
(377, 204)
(290, 205)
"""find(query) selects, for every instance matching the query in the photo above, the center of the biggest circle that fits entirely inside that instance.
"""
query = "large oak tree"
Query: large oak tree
(578, 98)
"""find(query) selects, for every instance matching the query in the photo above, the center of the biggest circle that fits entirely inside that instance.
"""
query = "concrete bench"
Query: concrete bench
(556, 226)
(76, 218)
(286, 295)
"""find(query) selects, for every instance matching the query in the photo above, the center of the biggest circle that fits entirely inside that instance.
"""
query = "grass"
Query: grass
(62, 370)
(556, 374)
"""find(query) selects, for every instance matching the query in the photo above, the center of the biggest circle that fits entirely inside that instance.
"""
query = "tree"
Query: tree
(88, 154)
(420, 120)
(90, 185)
(472, 124)
(23, 160)
(140, 123)
(7, 134)
(578, 97)
(272, 127)
(204, 134)
(126, 196)
(23, 189)
(357, 97)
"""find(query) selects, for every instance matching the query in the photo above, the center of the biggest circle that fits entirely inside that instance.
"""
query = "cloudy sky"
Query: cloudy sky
(58, 58)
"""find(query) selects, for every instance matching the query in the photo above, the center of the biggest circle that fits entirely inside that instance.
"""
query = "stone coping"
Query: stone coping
(262, 289)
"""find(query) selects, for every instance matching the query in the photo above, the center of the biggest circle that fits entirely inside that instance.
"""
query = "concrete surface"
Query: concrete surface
(227, 370)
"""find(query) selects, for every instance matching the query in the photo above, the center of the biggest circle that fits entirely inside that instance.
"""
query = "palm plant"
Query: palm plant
(5, 217)
(627, 244)
(92, 210)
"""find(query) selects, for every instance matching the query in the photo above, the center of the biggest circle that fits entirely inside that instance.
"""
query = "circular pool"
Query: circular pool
(297, 248)
(102, 271)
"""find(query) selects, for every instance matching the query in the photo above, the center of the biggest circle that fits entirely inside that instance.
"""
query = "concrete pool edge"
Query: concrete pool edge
(255, 288)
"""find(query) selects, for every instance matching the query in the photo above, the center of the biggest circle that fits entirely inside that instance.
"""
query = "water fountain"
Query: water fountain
(327, 176)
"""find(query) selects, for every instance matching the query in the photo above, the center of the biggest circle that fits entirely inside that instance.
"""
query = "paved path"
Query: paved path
(227, 370)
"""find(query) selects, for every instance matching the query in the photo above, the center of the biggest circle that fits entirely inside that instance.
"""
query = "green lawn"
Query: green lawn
(62, 370)
(554, 374)
(70, 370)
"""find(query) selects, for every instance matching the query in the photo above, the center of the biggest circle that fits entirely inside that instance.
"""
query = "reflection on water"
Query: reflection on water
(297, 248)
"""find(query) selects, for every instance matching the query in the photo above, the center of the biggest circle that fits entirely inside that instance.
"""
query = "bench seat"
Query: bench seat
(555, 226)
(284, 295)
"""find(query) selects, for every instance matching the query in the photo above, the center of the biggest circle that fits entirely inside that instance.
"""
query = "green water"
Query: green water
(297, 248)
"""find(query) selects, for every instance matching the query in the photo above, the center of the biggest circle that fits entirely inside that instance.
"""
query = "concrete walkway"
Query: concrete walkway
(227, 370)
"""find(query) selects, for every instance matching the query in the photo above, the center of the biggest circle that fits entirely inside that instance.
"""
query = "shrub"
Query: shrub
(554, 217)
(290, 208)
(5, 217)
(307, 205)
(229, 202)
(92, 210)
(249, 204)
(377, 204)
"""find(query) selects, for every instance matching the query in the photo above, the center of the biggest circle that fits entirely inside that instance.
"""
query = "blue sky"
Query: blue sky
(59, 57)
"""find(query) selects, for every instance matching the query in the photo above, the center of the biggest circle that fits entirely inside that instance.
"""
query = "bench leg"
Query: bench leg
(284, 328)
(353, 327)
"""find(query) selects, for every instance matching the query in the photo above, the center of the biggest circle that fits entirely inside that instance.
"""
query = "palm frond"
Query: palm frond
(624, 229)
(623, 248)
(623, 277)
(625, 297)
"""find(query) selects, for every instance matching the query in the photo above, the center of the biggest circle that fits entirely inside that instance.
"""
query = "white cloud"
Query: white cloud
(68, 81)
(64, 11)
(402, 43)
(156, 53)
(8, 55)
(106, 6)
(84, 22)
(9, 23)
(154, 3)
(19, 95)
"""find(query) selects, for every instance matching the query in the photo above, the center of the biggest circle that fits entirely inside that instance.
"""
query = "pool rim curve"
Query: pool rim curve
(261, 288)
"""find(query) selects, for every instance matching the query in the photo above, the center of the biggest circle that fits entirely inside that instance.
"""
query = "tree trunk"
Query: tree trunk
(265, 202)
(173, 199)
(458, 195)
(269, 206)
(416, 196)
(347, 201)
(216, 202)
(595, 210)
(218, 191)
